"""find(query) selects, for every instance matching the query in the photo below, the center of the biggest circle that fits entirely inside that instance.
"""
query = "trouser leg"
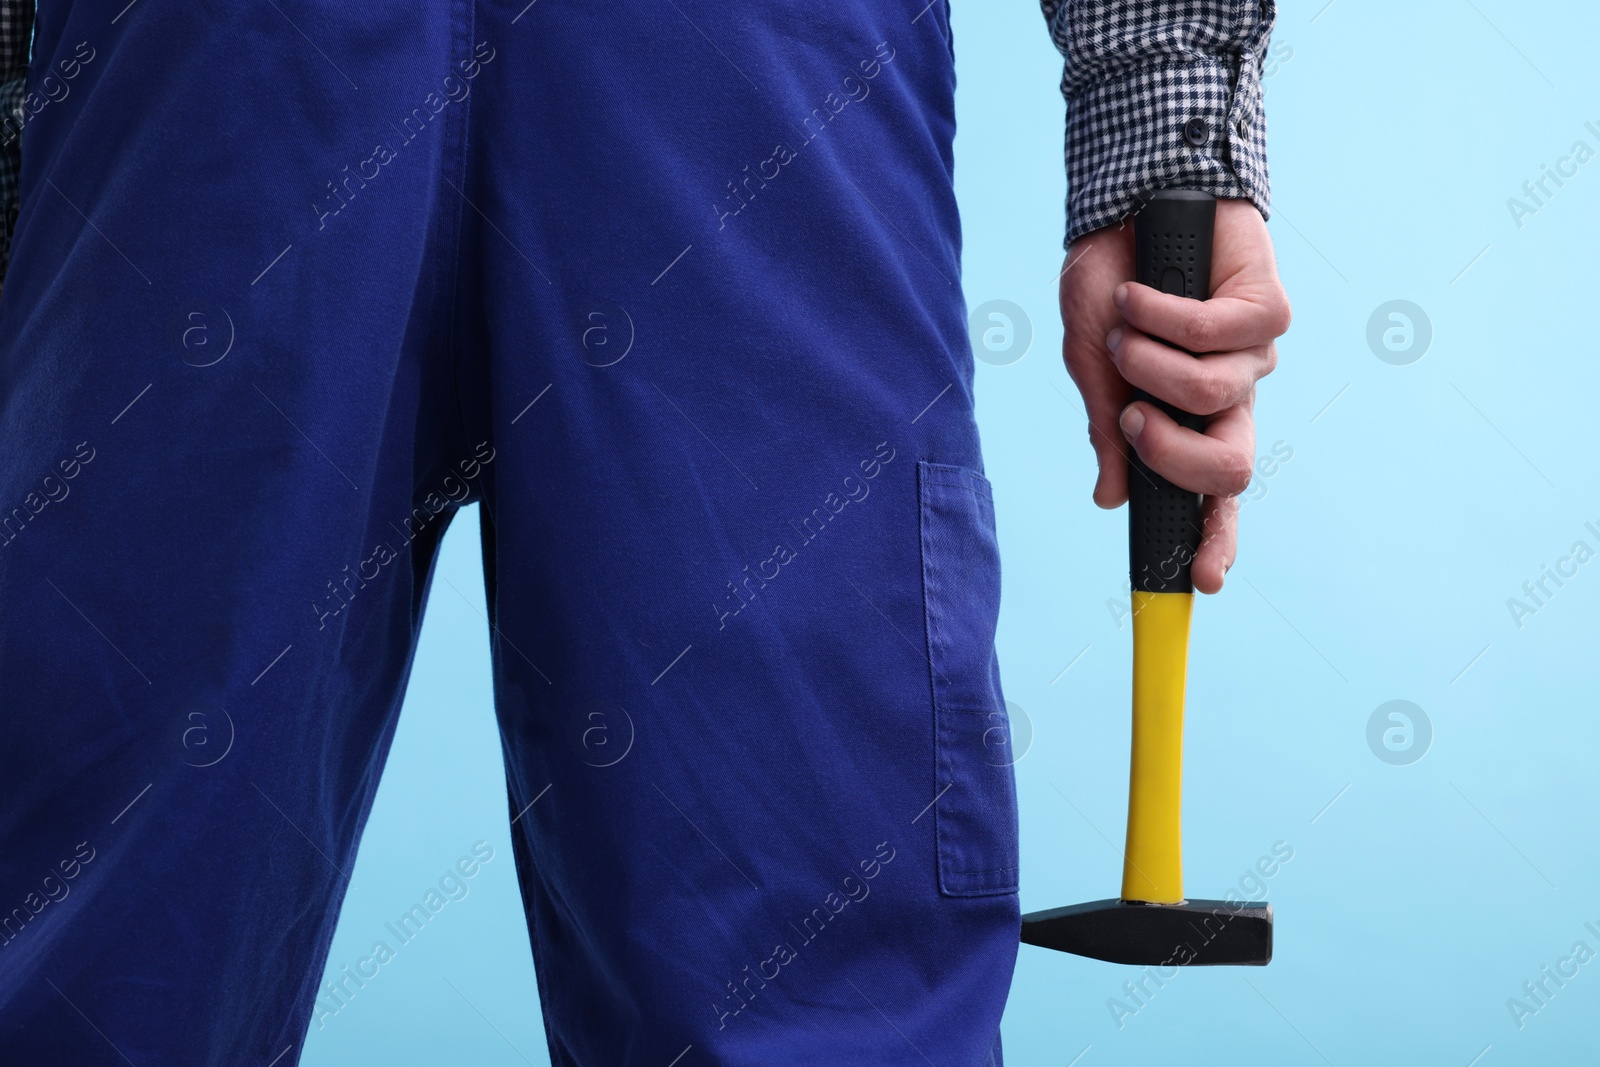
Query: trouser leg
(227, 422)
(742, 555)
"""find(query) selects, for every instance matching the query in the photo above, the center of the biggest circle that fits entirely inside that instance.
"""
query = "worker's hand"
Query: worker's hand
(1112, 330)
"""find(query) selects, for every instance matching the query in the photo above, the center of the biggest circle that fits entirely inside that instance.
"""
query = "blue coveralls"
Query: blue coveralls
(670, 287)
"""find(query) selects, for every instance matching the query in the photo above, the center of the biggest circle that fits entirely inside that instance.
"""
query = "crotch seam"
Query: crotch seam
(453, 175)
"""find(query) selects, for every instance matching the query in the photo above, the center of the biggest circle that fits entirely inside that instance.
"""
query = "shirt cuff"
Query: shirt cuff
(11, 118)
(1185, 123)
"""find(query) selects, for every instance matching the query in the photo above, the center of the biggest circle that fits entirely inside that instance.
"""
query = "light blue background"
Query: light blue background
(1376, 565)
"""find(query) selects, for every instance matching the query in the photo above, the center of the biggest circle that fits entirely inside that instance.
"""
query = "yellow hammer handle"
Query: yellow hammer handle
(1152, 868)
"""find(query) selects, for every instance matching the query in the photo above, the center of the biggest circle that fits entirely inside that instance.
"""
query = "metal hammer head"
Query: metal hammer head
(1194, 933)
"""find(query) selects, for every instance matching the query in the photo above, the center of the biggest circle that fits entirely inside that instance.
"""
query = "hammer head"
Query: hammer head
(1194, 933)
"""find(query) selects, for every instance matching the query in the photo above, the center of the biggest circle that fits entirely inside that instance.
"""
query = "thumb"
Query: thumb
(1104, 394)
(1111, 448)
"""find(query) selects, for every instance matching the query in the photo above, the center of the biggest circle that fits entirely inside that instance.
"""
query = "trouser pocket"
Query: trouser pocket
(975, 809)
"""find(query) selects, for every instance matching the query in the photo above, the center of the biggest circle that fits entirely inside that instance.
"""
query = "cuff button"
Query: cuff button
(1196, 133)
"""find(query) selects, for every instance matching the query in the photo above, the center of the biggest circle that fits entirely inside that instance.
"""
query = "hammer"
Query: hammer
(1152, 924)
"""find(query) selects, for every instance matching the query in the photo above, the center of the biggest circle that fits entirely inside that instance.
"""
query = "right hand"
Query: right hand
(1117, 337)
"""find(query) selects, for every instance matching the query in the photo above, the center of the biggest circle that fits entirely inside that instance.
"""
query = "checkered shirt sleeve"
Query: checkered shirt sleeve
(1160, 94)
(16, 39)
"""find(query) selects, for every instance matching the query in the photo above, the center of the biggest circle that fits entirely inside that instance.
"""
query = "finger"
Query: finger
(1204, 385)
(1248, 317)
(1219, 544)
(1215, 462)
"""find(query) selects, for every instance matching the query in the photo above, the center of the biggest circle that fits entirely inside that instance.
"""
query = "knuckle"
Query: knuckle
(1235, 471)
(1211, 395)
(1203, 331)
(1280, 313)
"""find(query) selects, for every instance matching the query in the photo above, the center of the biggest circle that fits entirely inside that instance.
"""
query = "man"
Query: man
(671, 289)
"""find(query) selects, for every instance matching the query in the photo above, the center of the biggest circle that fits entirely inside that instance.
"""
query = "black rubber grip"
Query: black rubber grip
(1172, 252)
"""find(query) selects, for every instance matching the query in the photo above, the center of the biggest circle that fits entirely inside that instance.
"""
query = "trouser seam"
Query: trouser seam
(453, 175)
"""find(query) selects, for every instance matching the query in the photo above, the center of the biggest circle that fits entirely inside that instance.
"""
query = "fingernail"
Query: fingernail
(1121, 295)
(1132, 421)
(1114, 338)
